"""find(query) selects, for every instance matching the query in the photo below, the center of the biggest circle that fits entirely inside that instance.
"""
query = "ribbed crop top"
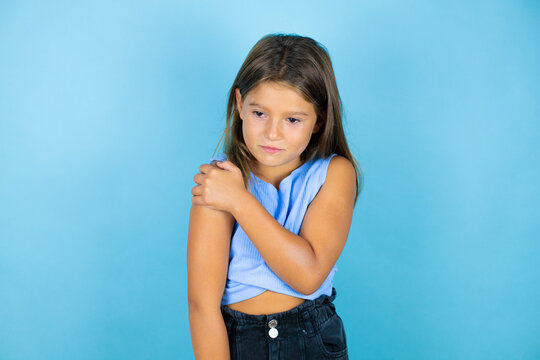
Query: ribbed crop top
(248, 274)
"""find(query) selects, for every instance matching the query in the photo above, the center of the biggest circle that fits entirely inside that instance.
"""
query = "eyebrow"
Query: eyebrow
(290, 113)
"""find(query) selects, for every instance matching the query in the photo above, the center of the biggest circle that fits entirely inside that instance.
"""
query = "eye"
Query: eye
(293, 120)
(257, 113)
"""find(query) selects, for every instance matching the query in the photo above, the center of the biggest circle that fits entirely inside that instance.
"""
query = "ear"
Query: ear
(238, 102)
(317, 127)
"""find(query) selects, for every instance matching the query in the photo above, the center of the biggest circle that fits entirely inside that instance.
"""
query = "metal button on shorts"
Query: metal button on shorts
(273, 332)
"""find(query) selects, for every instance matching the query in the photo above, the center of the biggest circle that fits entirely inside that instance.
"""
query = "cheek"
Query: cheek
(249, 132)
(303, 137)
(252, 127)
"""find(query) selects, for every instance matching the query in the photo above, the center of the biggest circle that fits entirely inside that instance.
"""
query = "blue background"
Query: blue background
(107, 108)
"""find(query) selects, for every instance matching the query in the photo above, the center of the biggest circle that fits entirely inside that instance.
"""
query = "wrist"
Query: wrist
(242, 199)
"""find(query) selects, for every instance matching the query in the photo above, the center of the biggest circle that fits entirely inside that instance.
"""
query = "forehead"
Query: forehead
(278, 96)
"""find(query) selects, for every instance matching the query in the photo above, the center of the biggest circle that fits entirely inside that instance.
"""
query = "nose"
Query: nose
(273, 130)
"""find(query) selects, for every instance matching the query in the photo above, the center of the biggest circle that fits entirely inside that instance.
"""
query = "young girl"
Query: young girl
(270, 215)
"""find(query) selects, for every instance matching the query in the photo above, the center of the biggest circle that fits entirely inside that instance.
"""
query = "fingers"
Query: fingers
(198, 178)
(196, 190)
(226, 165)
(223, 165)
(204, 168)
(196, 200)
(208, 168)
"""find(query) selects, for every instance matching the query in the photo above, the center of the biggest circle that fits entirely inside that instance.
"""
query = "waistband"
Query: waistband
(308, 314)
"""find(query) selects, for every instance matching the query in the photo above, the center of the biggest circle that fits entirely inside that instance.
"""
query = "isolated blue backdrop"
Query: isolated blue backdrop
(107, 109)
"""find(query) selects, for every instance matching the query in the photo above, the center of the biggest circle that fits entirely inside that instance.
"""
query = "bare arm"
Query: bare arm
(304, 261)
(207, 260)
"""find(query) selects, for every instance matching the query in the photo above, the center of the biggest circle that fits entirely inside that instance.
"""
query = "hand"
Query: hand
(220, 186)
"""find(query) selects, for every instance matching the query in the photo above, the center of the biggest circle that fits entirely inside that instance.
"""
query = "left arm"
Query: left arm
(302, 261)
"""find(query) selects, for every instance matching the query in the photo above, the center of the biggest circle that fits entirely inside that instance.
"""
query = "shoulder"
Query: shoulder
(334, 169)
(219, 157)
(342, 167)
(340, 177)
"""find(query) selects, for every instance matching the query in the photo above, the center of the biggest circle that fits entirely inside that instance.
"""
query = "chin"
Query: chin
(268, 160)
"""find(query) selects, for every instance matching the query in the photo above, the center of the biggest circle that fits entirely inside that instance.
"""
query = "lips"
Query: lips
(270, 149)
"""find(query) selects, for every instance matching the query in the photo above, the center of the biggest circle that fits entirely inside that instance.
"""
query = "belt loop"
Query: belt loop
(307, 321)
(334, 294)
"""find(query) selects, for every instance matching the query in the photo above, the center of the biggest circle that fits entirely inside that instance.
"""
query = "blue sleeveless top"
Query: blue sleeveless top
(248, 274)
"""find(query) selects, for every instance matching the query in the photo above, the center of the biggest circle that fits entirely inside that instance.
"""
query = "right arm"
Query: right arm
(208, 249)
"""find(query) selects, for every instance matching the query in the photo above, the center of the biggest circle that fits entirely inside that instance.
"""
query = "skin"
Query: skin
(301, 260)
(208, 249)
(276, 122)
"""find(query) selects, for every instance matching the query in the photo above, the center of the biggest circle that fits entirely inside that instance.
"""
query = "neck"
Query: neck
(275, 174)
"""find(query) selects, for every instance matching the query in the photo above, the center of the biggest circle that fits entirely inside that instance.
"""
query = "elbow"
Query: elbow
(195, 306)
(307, 291)
(202, 306)
(312, 282)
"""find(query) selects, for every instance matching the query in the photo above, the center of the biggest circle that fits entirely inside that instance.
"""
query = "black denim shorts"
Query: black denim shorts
(311, 330)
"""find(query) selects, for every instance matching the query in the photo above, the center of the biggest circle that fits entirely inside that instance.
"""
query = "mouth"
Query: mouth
(270, 149)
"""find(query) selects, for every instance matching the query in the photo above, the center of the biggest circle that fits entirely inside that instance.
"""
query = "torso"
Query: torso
(269, 302)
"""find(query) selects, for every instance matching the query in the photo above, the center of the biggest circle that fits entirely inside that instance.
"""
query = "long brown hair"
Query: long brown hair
(304, 64)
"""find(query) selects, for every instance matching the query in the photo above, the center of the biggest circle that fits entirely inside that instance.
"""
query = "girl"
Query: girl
(270, 215)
